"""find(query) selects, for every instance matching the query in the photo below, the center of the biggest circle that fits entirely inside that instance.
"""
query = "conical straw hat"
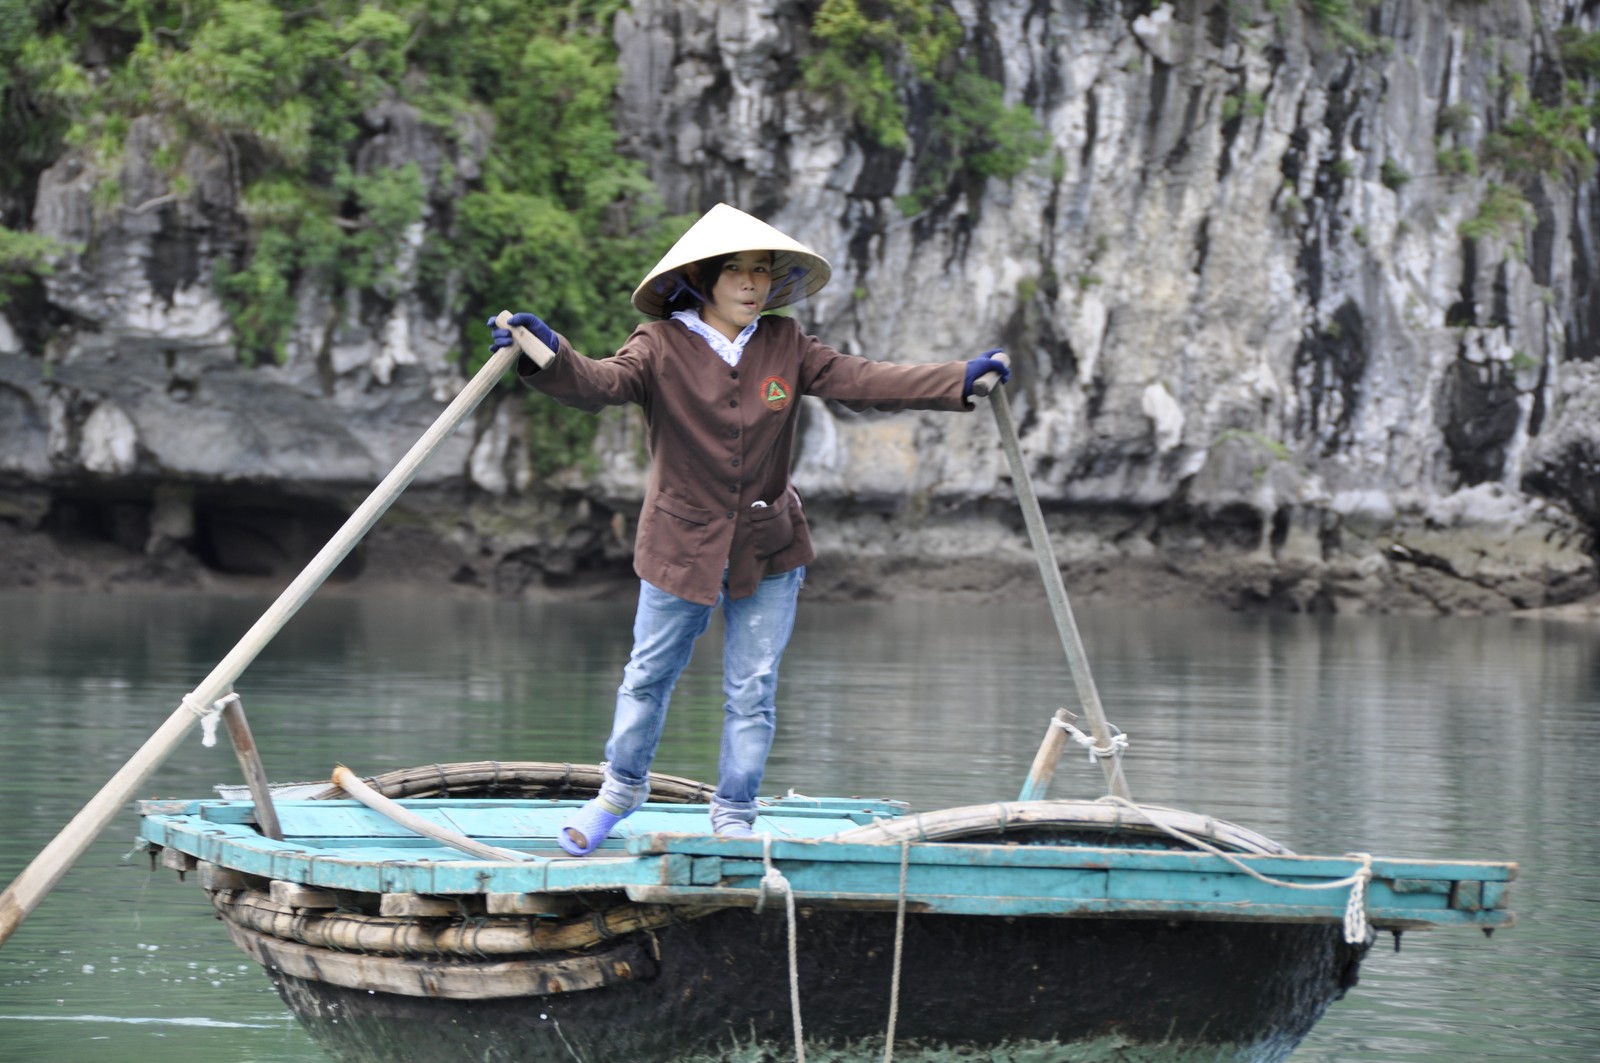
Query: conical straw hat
(797, 271)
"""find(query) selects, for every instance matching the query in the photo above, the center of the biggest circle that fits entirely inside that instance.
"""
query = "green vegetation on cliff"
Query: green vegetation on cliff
(22, 256)
(288, 94)
(898, 67)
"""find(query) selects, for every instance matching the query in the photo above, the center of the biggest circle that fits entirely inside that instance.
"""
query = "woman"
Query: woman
(721, 525)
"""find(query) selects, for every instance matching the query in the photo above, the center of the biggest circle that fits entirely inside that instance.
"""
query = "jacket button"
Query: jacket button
(733, 433)
(730, 514)
(733, 402)
(735, 463)
(734, 488)
(734, 374)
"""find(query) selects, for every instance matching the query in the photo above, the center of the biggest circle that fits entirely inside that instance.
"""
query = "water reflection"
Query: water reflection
(1427, 738)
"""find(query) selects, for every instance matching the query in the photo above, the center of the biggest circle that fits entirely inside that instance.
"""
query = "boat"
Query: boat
(428, 913)
(1023, 931)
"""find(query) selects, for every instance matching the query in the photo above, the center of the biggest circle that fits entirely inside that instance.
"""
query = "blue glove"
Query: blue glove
(501, 337)
(985, 363)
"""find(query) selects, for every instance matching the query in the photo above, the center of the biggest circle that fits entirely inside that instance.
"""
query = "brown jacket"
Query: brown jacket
(721, 437)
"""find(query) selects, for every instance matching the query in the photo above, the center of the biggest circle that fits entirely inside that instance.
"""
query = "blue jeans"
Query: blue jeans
(664, 632)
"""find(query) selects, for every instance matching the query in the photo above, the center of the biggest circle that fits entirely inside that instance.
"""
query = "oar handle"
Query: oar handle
(531, 345)
(986, 383)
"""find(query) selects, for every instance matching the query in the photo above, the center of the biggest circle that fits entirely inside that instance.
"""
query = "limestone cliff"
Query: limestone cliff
(1277, 343)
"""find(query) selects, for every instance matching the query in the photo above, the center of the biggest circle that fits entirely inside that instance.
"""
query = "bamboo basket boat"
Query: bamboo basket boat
(1026, 931)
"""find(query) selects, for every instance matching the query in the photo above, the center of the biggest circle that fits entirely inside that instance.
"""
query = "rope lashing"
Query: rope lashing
(773, 881)
(209, 716)
(1115, 748)
(1357, 931)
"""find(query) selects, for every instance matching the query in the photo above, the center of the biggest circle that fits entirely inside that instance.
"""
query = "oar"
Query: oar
(395, 812)
(41, 876)
(1056, 592)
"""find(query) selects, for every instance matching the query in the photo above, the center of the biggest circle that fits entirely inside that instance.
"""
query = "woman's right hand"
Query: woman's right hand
(501, 337)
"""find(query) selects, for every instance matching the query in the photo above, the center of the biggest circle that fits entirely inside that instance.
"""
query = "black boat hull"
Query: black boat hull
(1030, 990)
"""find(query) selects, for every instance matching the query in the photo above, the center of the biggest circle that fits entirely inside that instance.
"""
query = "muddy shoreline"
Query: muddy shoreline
(400, 564)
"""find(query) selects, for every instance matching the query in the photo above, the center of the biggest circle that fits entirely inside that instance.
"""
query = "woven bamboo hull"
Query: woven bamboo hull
(1023, 990)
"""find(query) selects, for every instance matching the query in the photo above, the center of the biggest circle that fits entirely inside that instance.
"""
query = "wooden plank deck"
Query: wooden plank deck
(666, 856)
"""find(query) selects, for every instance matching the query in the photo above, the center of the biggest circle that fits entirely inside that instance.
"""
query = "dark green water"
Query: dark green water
(1401, 737)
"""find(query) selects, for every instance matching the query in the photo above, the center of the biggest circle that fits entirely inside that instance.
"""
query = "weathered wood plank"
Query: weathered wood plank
(548, 905)
(176, 860)
(518, 820)
(1496, 894)
(295, 895)
(416, 906)
(216, 877)
(707, 871)
(1237, 911)
(821, 849)
(165, 807)
(378, 871)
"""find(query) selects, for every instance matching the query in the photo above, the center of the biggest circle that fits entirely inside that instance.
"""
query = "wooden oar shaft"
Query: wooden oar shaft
(1044, 761)
(351, 783)
(41, 876)
(1056, 592)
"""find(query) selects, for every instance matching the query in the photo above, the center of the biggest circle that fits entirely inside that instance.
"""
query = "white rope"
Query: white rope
(208, 717)
(1357, 931)
(1114, 748)
(899, 950)
(773, 881)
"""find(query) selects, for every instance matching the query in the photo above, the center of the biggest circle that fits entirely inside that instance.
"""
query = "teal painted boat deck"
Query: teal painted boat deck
(664, 854)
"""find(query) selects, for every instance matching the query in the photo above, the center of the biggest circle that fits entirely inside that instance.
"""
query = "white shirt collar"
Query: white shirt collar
(729, 351)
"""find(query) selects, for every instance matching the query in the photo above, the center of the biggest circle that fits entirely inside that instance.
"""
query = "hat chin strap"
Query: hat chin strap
(678, 286)
(791, 280)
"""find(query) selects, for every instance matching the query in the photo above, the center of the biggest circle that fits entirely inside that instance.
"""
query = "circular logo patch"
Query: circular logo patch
(775, 392)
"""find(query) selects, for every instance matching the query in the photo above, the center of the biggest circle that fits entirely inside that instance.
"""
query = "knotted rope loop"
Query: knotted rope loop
(209, 716)
(1114, 748)
(773, 882)
(1357, 931)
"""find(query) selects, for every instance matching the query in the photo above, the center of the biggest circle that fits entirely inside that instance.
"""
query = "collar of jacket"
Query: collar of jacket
(729, 351)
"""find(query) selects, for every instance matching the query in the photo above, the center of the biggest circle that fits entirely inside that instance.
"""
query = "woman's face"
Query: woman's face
(740, 292)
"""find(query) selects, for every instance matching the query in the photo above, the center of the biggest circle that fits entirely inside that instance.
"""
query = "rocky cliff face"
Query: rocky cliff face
(1258, 362)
